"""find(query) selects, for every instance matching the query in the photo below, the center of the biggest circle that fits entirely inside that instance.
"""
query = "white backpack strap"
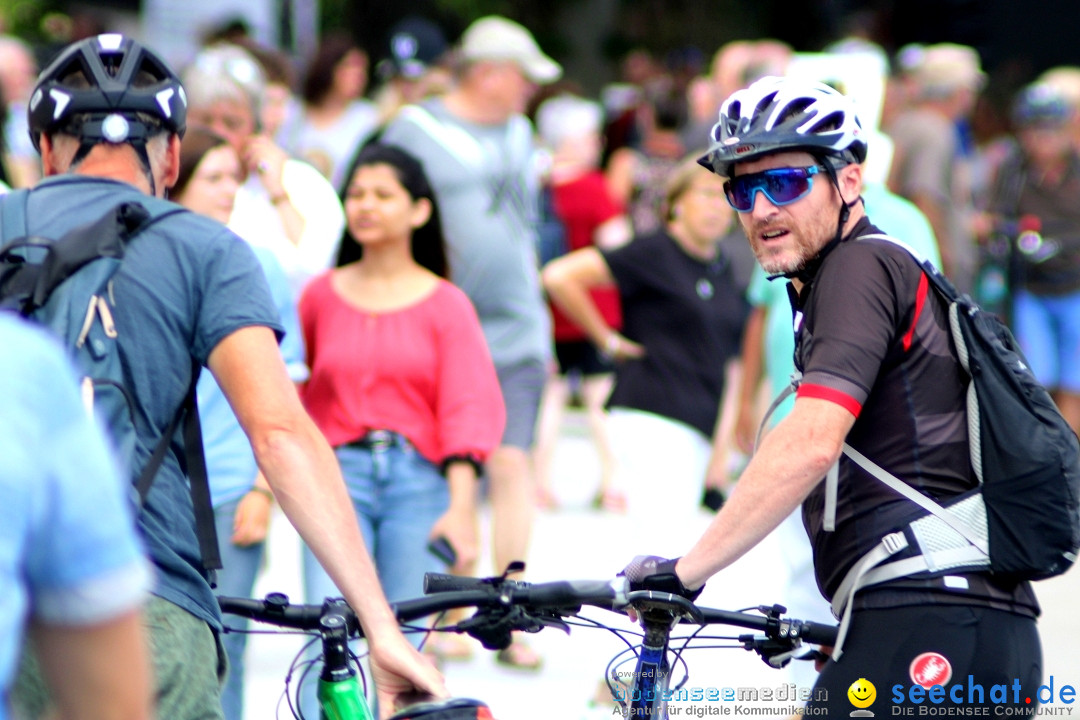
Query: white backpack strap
(845, 593)
(832, 482)
(918, 498)
(787, 392)
(974, 429)
(869, 571)
(899, 243)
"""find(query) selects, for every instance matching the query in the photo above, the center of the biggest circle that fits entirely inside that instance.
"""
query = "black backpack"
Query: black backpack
(1022, 522)
(65, 285)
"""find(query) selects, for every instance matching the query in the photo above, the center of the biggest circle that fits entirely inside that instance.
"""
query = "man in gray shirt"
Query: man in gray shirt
(930, 166)
(477, 149)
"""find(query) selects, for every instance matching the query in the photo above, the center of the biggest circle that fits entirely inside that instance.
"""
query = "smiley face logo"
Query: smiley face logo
(862, 693)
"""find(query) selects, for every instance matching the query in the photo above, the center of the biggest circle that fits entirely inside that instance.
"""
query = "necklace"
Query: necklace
(713, 269)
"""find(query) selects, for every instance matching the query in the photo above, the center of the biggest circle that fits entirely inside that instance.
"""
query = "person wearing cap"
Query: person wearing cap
(108, 116)
(878, 374)
(477, 148)
(414, 67)
(1036, 200)
(932, 167)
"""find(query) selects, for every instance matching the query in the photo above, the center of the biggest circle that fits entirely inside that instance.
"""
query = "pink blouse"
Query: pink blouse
(423, 371)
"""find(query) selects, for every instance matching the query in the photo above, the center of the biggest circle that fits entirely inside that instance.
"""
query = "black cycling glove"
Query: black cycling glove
(649, 572)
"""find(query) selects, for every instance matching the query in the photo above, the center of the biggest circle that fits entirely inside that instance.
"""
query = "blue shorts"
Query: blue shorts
(1048, 330)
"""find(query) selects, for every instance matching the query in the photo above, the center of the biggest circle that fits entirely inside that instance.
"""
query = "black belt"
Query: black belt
(381, 440)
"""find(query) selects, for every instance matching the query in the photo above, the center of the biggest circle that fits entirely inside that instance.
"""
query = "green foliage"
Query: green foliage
(32, 20)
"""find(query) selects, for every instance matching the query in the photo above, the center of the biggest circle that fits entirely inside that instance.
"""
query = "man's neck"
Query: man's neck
(470, 105)
(119, 171)
(111, 163)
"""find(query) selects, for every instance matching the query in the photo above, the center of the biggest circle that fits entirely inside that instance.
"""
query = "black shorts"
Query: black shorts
(581, 357)
(982, 658)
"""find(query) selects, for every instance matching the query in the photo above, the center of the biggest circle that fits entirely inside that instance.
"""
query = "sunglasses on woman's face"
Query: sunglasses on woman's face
(782, 186)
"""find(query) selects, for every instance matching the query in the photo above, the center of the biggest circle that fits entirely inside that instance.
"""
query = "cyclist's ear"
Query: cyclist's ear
(850, 181)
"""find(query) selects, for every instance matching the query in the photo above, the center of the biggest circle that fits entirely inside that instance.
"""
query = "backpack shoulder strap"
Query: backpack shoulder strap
(198, 478)
(194, 454)
(939, 281)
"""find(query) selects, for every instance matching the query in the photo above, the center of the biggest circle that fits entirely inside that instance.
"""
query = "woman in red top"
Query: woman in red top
(402, 383)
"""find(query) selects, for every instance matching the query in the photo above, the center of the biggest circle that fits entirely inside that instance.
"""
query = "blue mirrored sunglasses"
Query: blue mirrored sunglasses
(781, 186)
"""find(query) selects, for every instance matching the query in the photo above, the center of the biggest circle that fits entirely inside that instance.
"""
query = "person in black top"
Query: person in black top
(879, 371)
(683, 312)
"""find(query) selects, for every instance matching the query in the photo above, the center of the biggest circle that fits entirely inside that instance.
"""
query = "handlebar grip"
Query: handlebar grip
(818, 633)
(442, 582)
(572, 593)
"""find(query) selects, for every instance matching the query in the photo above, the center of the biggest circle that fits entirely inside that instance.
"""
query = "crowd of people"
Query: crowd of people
(359, 273)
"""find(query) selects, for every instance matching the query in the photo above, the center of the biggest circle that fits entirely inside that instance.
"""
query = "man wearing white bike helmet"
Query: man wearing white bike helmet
(879, 373)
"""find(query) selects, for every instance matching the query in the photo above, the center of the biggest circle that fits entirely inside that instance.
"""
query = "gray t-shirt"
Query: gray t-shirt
(931, 163)
(486, 186)
(185, 284)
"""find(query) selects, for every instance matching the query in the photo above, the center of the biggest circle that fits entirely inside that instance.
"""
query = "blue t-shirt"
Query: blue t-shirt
(69, 552)
(230, 462)
(185, 284)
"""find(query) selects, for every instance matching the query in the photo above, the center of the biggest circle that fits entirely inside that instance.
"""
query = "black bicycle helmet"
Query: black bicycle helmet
(97, 89)
(449, 709)
(779, 114)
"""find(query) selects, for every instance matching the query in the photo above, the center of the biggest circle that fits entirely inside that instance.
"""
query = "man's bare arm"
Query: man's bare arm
(97, 672)
(792, 459)
(307, 483)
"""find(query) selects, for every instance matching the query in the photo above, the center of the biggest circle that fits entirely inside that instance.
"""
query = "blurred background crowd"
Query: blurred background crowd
(973, 114)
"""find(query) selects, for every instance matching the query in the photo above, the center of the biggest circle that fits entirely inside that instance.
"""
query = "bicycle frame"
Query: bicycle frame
(340, 696)
(647, 694)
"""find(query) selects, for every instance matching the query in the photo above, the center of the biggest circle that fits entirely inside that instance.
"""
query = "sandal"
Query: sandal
(446, 646)
(545, 499)
(610, 500)
(520, 656)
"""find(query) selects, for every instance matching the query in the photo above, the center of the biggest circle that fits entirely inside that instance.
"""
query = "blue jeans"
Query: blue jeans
(397, 495)
(236, 578)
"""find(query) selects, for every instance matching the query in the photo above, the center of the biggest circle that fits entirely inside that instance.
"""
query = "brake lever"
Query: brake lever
(493, 626)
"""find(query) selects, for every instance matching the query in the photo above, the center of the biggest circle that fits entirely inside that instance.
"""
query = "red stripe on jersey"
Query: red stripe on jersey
(821, 392)
(920, 302)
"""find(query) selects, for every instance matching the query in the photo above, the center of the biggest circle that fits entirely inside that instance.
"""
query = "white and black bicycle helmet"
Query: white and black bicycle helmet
(778, 114)
(107, 88)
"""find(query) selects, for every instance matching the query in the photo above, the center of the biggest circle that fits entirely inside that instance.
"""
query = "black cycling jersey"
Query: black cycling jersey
(872, 336)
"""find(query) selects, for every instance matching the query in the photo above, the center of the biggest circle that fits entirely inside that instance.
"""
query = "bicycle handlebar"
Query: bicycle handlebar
(548, 600)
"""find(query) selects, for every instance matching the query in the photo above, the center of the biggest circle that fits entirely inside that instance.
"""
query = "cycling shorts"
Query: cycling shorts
(982, 658)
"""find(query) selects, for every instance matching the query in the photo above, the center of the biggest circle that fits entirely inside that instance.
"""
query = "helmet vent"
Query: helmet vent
(830, 122)
(763, 103)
